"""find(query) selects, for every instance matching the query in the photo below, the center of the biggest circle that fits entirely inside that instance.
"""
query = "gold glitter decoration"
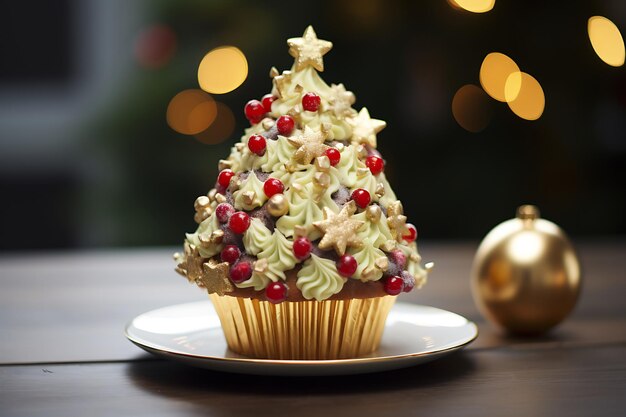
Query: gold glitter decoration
(429, 266)
(216, 236)
(281, 82)
(191, 264)
(273, 72)
(322, 163)
(248, 197)
(277, 205)
(309, 50)
(373, 213)
(339, 229)
(368, 273)
(321, 181)
(396, 220)
(380, 190)
(215, 278)
(220, 198)
(202, 215)
(362, 172)
(239, 146)
(224, 164)
(268, 123)
(364, 128)
(310, 145)
(261, 266)
(299, 230)
(341, 101)
(298, 88)
(382, 263)
(415, 257)
(388, 246)
(361, 151)
(211, 194)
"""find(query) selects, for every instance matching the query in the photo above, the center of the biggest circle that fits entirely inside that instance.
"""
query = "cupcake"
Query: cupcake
(302, 245)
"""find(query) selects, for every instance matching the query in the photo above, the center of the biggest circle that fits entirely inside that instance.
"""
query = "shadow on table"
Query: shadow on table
(171, 379)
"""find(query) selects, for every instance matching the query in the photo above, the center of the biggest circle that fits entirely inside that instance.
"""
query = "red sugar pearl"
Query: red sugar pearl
(230, 254)
(240, 272)
(223, 211)
(361, 197)
(267, 101)
(257, 144)
(412, 235)
(302, 247)
(224, 177)
(254, 111)
(239, 222)
(273, 186)
(285, 125)
(346, 266)
(311, 102)
(394, 285)
(375, 164)
(333, 155)
(276, 292)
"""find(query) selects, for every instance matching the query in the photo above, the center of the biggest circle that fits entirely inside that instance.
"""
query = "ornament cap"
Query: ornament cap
(528, 212)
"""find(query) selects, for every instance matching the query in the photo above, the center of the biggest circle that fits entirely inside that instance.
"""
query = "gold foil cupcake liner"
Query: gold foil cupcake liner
(329, 329)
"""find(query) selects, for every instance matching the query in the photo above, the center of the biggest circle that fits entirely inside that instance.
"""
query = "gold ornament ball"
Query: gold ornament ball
(526, 275)
(277, 205)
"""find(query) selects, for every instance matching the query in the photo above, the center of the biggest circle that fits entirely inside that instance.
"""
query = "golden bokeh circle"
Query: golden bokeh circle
(191, 111)
(494, 72)
(525, 96)
(606, 40)
(471, 108)
(221, 128)
(222, 70)
(474, 6)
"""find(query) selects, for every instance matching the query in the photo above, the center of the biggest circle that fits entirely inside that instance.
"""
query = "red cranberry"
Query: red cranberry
(333, 155)
(273, 186)
(230, 254)
(276, 292)
(375, 164)
(302, 247)
(257, 144)
(239, 222)
(240, 272)
(311, 102)
(224, 177)
(394, 285)
(412, 235)
(285, 125)
(346, 265)
(409, 281)
(398, 257)
(223, 211)
(361, 197)
(254, 111)
(267, 101)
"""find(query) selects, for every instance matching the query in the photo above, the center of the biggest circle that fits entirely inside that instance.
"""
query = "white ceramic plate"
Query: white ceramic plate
(191, 333)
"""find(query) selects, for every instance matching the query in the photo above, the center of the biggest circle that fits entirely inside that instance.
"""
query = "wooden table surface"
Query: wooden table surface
(63, 353)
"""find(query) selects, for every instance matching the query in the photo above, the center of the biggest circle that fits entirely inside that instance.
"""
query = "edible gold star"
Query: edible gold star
(190, 264)
(308, 50)
(310, 145)
(396, 220)
(341, 101)
(281, 82)
(339, 229)
(364, 128)
(215, 278)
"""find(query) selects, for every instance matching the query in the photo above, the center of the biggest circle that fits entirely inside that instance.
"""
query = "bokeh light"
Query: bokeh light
(471, 108)
(222, 70)
(221, 128)
(606, 40)
(474, 6)
(155, 46)
(191, 111)
(524, 96)
(495, 70)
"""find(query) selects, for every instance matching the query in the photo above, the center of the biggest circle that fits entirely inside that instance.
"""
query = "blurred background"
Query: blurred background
(88, 158)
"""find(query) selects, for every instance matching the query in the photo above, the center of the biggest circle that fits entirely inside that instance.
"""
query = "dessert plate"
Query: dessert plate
(191, 333)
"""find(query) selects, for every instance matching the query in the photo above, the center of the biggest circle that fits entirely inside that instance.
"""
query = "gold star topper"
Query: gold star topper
(396, 220)
(310, 144)
(308, 50)
(215, 278)
(281, 82)
(364, 128)
(339, 229)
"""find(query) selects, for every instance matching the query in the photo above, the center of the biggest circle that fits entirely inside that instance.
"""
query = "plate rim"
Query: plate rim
(302, 362)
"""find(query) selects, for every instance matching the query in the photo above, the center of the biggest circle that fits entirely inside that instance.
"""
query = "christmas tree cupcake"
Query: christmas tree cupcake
(302, 244)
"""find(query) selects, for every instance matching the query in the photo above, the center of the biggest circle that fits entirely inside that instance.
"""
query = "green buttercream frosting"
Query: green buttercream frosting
(250, 185)
(365, 257)
(279, 254)
(318, 279)
(257, 237)
(208, 226)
